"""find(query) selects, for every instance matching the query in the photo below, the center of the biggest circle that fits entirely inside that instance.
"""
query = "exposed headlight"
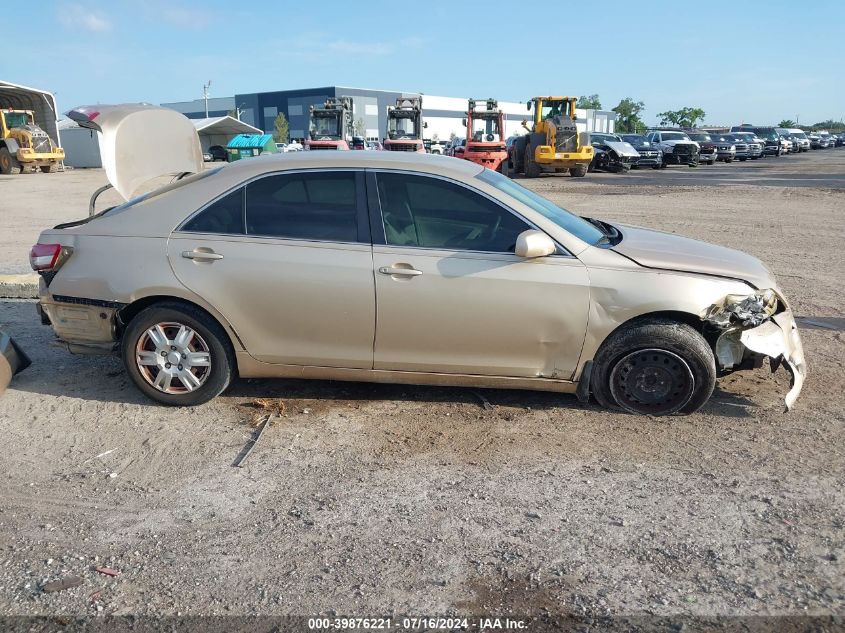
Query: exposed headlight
(747, 310)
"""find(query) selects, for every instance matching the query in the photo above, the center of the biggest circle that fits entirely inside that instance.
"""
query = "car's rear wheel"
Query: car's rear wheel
(654, 366)
(177, 355)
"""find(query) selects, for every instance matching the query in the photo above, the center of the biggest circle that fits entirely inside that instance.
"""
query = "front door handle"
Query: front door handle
(397, 270)
(201, 255)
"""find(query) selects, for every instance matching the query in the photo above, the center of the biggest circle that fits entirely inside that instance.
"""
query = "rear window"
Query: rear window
(308, 206)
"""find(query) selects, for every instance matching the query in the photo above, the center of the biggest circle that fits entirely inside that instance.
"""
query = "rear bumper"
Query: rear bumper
(86, 326)
(546, 155)
(26, 155)
(13, 360)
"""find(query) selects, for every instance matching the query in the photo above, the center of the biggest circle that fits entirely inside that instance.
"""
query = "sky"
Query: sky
(750, 61)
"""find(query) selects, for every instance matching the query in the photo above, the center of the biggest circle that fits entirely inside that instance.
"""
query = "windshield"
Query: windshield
(674, 136)
(486, 130)
(16, 119)
(700, 137)
(325, 126)
(401, 127)
(570, 223)
(555, 108)
(605, 138)
(799, 135)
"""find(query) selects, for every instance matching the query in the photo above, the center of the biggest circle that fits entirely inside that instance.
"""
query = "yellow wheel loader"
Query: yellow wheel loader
(24, 145)
(553, 143)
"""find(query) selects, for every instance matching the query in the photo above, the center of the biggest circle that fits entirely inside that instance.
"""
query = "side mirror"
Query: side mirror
(533, 243)
(528, 106)
(425, 125)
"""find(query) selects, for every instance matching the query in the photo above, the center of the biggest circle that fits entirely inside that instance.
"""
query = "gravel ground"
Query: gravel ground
(375, 499)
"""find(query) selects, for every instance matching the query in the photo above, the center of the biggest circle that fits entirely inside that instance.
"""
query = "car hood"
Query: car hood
(674, 142)
(656, 249)
(139, 142)
(622, 148)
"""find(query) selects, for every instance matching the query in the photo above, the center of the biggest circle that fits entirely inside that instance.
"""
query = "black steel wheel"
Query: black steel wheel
(652, 381)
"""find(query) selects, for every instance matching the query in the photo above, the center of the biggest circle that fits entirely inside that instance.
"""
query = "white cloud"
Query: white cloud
(76, 16)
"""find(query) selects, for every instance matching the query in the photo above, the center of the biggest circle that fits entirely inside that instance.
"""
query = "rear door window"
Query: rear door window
(224, 216)
(308, 206)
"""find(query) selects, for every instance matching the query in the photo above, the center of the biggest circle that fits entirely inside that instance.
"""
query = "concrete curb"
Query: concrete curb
(19, 286)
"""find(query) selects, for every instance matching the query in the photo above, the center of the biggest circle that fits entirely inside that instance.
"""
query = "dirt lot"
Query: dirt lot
(373, 500)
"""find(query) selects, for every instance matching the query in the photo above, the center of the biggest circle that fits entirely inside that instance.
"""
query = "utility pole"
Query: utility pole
(205, 88)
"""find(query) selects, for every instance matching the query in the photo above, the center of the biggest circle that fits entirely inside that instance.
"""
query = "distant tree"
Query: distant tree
(452, 136)
(232, 114)
(685, 117)
(830, 124)
(591, 102)
(359, 127)
(787, 123)
(435, 137)
(628, 116)
(282, 133)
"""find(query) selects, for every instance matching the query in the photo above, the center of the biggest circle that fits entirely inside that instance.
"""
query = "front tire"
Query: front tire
(654, 366)
(177, 355)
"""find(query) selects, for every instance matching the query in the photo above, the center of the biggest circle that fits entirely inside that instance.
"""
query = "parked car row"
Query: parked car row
(663, 147)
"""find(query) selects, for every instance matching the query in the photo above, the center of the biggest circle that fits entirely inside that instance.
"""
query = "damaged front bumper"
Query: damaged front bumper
(759, 324)
(13, 360)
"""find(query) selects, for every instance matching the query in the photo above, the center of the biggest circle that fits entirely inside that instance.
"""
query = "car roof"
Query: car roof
(348, 160)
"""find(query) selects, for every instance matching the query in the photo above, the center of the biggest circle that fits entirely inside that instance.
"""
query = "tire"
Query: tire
(655, 166)
(532, 169)
(743, 159)
(48, 169)
(648, 349)
(215, 358)
(8, 163)
(579, 171)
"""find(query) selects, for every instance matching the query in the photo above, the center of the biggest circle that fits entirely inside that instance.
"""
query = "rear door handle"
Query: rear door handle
(393, 270)
(201, 255)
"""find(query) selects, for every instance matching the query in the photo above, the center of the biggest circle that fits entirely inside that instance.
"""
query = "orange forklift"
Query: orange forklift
(485, 135)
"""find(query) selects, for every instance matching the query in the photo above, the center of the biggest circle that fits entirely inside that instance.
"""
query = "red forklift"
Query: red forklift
(485, 135)
(405, 126)
(331, 125)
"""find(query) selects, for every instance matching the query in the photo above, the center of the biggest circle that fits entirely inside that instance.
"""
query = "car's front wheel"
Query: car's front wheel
(654, 366)
(177, 355)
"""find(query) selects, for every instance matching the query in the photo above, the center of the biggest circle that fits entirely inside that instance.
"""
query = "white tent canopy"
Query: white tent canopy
(41, 102)
(219, 130)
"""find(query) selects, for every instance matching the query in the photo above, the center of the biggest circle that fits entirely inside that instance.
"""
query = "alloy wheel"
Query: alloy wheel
(173, 358)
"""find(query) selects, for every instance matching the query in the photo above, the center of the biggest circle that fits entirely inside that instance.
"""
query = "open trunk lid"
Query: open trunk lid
(139, 142)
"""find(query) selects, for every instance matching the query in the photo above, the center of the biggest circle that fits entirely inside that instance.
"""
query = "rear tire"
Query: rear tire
(532, 169)
(579, 171)
(8, 163)
(654, 366)
(211, 373)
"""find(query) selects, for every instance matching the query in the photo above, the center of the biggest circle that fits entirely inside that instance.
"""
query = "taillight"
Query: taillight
(46, 257)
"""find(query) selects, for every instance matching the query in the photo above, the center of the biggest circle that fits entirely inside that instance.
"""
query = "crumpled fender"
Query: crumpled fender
(13, 360)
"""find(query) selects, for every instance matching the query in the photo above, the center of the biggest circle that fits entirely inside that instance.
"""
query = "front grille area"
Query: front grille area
(685, 150)
(486, 149)
(741, 147)
(41, 144)
(402, 147)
